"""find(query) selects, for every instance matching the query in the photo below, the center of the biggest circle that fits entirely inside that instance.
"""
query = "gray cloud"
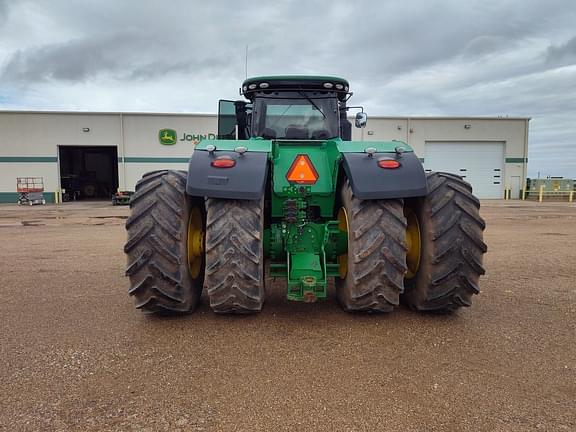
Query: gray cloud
(74, 60)
(562, 54)
(3, 9)
(484, 45)
(127, 55)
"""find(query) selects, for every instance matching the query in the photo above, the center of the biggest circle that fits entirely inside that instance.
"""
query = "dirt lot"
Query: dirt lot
(76, 355)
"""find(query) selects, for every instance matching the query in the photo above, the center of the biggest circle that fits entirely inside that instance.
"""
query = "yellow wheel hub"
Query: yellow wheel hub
(195, 242)
(343, 259)
(413, 243)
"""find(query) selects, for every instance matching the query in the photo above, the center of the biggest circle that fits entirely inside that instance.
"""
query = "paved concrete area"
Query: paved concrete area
(76, 356)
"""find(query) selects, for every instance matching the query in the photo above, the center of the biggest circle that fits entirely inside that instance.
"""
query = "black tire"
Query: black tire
(157, 248)
(234, 255)
(376, 254)
(452, 246)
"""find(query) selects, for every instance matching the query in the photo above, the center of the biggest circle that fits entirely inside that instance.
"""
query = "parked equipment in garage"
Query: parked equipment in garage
(30, 190)
(284, 188)
(122, 198)
(88, 172)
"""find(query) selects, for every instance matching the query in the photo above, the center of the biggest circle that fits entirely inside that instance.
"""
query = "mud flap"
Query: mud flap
(245, 181)
(369, 181)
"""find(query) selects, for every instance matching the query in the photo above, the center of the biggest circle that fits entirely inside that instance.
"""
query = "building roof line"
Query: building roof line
(105, 113)
(449, 117)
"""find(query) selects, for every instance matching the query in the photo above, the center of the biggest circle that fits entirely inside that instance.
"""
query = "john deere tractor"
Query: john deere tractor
(285, 193)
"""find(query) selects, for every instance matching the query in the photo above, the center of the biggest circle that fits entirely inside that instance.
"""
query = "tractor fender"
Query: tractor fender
(369, 181)
(244, 181)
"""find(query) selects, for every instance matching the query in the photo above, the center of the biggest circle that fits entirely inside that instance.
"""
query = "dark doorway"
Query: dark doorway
(88, 172)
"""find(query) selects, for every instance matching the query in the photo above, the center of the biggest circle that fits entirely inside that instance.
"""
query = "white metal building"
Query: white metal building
(100, 152)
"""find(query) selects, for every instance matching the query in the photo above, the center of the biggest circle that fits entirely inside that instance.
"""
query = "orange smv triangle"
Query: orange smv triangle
(302, 171)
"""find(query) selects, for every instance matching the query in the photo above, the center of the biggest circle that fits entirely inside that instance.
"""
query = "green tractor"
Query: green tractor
(284, 193)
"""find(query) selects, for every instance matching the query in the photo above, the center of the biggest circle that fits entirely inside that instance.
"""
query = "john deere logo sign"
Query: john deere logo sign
(167, 136)
(170, 136)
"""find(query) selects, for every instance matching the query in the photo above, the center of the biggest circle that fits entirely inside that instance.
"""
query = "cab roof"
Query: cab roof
(295, 82)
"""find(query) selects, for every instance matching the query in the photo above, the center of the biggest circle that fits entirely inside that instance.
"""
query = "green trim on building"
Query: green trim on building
(12, 197)
(25, 159)
(516, 160)
(8, 197)
(155, 159)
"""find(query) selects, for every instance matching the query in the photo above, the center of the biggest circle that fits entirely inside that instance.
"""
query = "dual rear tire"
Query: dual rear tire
(425, 252)
(177, 244)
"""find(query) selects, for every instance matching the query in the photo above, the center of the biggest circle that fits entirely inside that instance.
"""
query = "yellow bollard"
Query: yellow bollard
(541, 194)
(524, 192)
(570, 196)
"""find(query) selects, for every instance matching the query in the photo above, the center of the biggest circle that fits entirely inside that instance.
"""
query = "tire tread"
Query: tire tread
(234, 259)
(455, 233)
(157, 263)
(377, 262)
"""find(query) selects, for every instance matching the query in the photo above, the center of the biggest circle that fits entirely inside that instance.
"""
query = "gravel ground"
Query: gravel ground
(76, 355)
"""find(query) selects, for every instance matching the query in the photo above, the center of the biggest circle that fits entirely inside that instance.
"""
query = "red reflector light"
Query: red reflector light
(302, 171)
(223, 162)
(388, 163)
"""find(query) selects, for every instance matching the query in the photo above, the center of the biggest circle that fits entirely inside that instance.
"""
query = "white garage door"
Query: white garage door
(480, 163)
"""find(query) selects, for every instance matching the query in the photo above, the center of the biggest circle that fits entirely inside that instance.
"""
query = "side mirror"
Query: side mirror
(361, 120)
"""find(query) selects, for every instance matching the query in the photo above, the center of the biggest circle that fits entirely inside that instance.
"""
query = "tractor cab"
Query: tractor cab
(307, 108)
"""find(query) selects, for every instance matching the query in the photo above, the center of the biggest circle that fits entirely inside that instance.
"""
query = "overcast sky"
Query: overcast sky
(477, 58)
